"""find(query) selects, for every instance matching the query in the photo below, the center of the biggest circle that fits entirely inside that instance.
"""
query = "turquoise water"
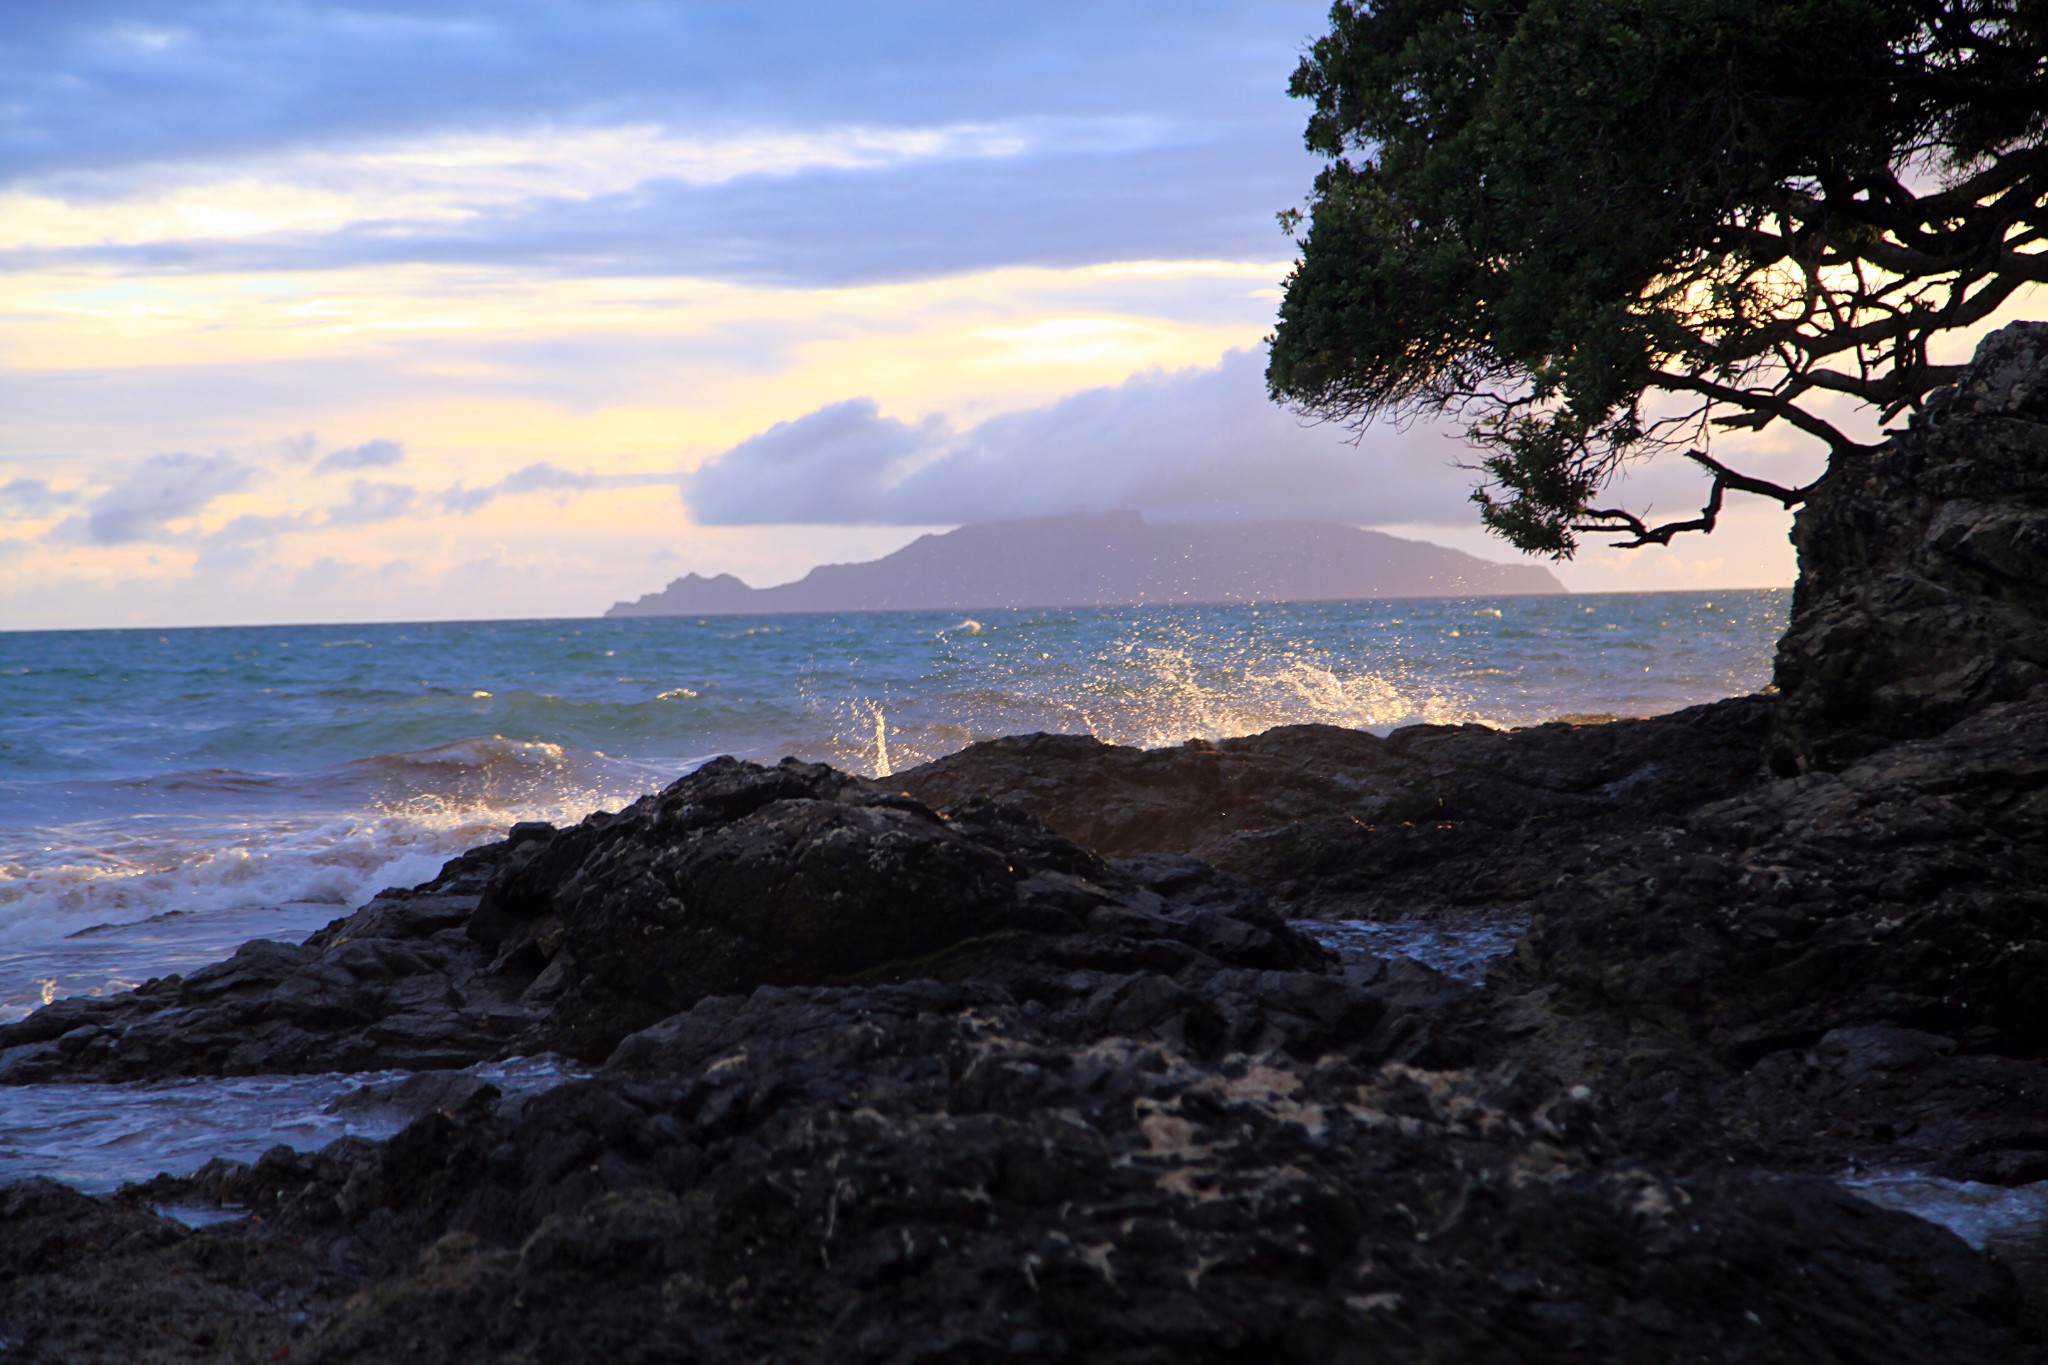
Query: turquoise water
(167, 794)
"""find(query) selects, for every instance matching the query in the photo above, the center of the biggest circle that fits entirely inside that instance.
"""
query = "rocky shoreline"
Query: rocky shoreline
(1018, 1055)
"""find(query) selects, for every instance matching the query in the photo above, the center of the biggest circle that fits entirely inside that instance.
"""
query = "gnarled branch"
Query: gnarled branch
(1610, 519)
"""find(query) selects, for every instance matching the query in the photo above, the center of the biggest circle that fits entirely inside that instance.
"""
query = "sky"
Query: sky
(319, 311)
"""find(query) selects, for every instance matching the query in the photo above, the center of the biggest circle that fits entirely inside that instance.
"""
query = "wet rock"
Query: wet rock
(353, 1004)
(929, 1169)
(423, 1092)
(1909, 890)
(1332, 823)
(95, 1280)
(740, 876)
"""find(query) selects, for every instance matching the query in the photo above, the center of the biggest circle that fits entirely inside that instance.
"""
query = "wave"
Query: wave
(96, 1136)
(648, 723)
(1138, 693)
(218, 841)
(479, 768)
(208, 868)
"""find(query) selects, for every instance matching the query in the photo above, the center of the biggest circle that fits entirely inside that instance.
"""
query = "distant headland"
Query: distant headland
(1116, 559)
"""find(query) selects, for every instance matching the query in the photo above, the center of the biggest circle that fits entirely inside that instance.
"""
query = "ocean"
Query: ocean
(168, 794)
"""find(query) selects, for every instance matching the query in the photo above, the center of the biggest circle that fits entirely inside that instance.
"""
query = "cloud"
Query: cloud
(160, 490)
(243, 542)
(32, 499)
(879, 141)
(99, 84)
(255, 529)
(463, 500)
(369, 455)
(836, 465)
(371, 502)
(545, 476)
(1180, 193)
(1202, 444)
(295, 449)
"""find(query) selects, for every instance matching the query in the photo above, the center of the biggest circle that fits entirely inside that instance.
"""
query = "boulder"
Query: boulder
(1923, 569)
(734, 877)
(1432, 821)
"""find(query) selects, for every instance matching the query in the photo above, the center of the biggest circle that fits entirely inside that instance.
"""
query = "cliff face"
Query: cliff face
(1923, 570)
(1114, 560)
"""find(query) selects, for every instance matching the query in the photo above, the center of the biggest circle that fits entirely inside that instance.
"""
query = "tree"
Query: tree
(1598, 230)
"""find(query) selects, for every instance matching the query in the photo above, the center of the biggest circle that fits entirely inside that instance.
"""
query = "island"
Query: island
(1115, 559)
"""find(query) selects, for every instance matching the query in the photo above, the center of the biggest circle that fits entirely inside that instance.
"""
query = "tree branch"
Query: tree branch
(1615, 519)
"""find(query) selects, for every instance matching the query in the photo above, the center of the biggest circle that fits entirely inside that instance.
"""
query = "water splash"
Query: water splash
(882, 766)
(1159, 693)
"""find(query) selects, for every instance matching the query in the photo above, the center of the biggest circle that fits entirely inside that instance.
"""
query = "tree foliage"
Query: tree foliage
(1596, 230)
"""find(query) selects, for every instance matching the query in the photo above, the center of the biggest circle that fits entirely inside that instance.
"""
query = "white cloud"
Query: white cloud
(369, 455)
(818, 143)
(32, 499)
(409, 186)
(370, 501)
(161, 490)
(241, 544)
(255, 529)
(544, 476)
(1203, 444)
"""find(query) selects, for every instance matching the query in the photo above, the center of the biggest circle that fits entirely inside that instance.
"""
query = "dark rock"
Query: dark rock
(339, 1003)
(1333, 823)
(1908, 890)
(740, 876)
(734, 877)
(933, 1169)
(1923, 569)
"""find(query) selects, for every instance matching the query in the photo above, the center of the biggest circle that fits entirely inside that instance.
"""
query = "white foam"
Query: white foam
(390, 820)
(200, 866)
(276, 871)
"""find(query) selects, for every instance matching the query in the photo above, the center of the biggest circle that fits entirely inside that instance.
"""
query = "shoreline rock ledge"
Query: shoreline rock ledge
(1023, 1056)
